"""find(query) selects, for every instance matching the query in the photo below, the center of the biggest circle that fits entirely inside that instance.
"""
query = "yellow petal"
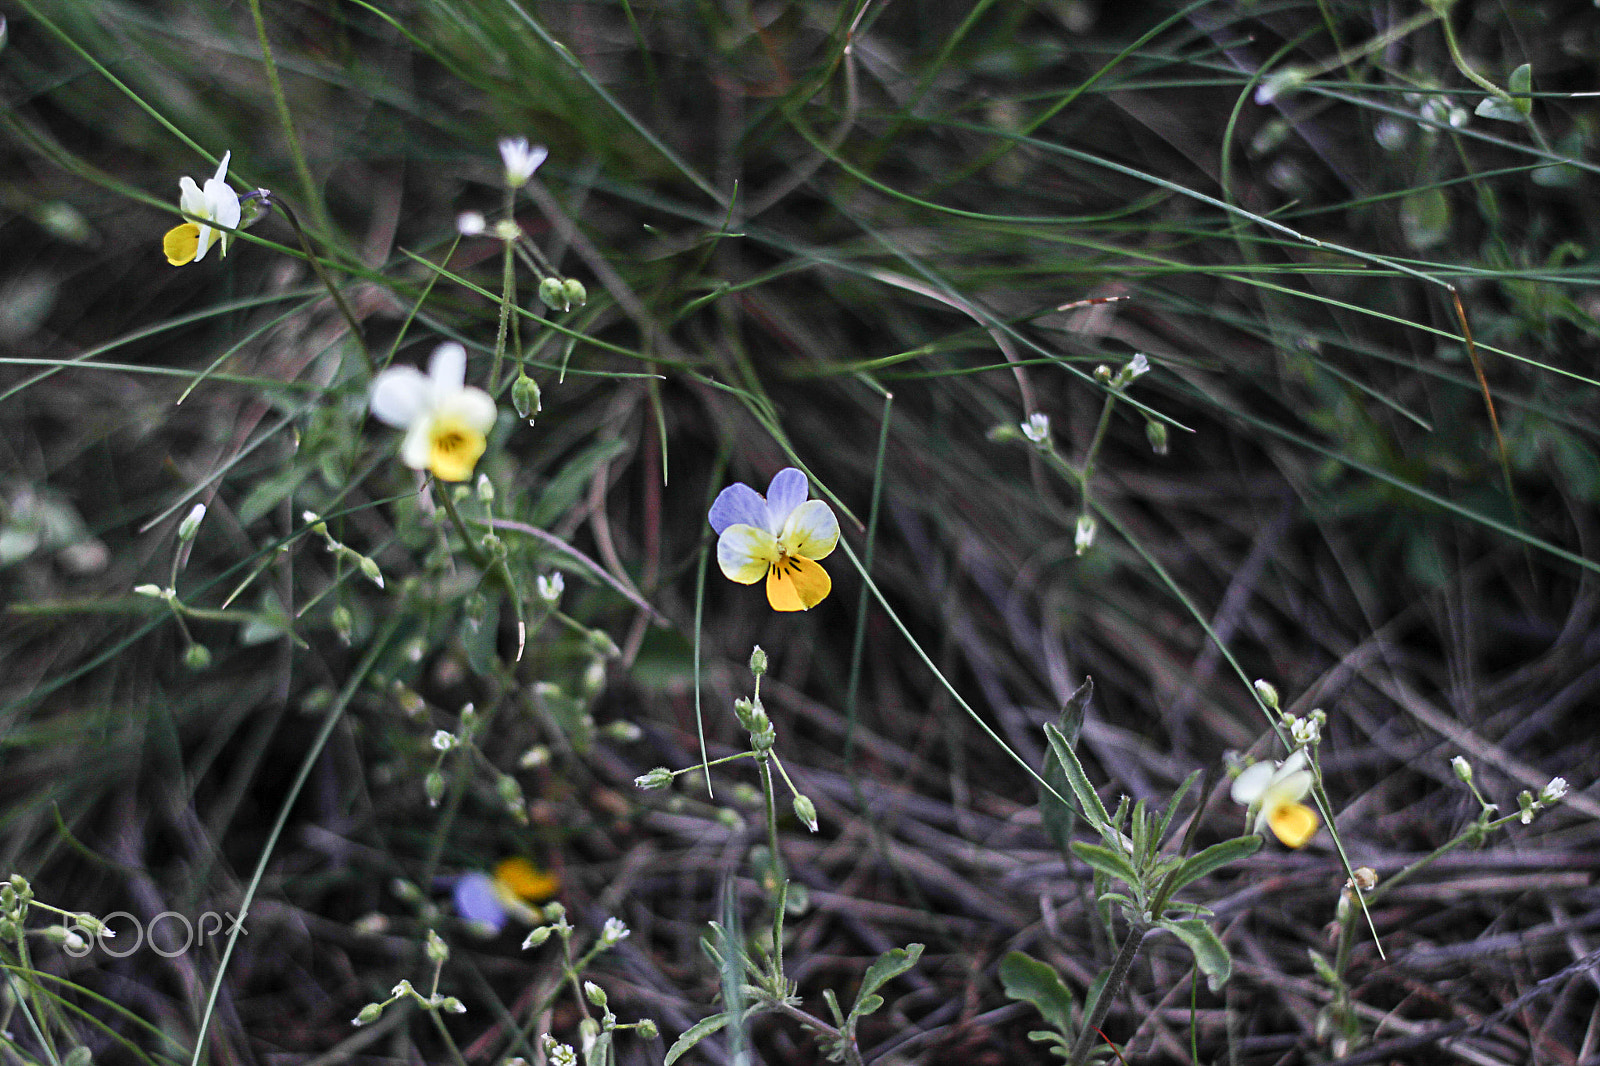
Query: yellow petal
(1294, 823)
(525, 880)
(797, 584)
(453, 449)
(181, 244)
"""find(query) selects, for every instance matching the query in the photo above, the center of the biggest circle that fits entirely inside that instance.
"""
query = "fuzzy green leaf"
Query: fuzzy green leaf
(1209, 954)
(1055, 811)
(696, 1033)
(1088, 802)
(1026, 978)
(1108, 862)
(887, 967)
(1215, 857)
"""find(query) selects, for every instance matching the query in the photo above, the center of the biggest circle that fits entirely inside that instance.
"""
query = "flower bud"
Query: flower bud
(553, 294)
(437, 950)
(602, 643)
(402, 989)
(1156, 433)
(588, 1034)
(1462, 768)
(1268, 693)
(655, 780)
(758, 661)
(155, 592)
(197, 657)
(1526, 805)
(433, 787)
(370, 568)
(525, 397)
(191, 524)
(537, 937)
(622, 731)
(485, 489)
(471, 223)
(452, 1005)
(647, 1029)
(509, 791)
(1102, 374)
(343, 623)
(369, 1014)
(575, 293)
(806, 811)
(594, 994)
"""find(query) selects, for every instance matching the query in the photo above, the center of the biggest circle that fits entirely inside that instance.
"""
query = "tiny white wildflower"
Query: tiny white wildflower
(471, 223)
(1037, 427)
(520, 159)
(214, 205)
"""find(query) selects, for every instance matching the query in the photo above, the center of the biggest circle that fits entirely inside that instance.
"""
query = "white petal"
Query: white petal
(1288, 788)
(447, 370)
(744, 553)
(400, 395)
(472, 406)
(787, 491)
(416, 451)
(811, 532)
(222, 167)
(190, 198)
(1252, 783)
(1295, 762)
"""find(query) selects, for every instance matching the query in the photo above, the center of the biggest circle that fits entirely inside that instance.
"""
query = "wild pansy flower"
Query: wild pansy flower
(1274, 791)
(446, 421)
(781, 537)
(488, 901)
(217, 204)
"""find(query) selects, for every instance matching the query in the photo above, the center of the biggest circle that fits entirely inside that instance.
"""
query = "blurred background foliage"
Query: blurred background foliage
(785, 213)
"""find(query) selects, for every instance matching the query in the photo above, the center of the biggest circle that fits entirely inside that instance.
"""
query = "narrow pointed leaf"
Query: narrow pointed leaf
(1214, 858)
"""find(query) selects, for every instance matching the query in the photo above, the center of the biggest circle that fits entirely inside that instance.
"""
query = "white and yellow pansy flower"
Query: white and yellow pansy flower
(214, 205)
(447, 422)
(780, 537)
(486, 902)
(1274, 792)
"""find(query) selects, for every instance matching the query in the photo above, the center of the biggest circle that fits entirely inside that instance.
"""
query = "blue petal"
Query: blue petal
(788, 490)
(738, 504)
(476, 900)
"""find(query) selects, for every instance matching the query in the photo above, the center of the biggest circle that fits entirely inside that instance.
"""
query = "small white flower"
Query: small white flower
(550, 588)
(520, 159)
(1553, 792)
(614, 932)
(470, 223)
(1083, 535)
(1274, 792)
(216, 204)
(446, 421)
(191, 522)
(443, 740)
(1037, 428)
(1305, 731)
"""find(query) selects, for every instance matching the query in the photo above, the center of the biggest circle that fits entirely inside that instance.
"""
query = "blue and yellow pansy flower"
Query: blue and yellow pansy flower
(780, 537)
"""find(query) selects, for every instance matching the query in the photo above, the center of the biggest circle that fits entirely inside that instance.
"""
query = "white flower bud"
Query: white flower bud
(191, 524)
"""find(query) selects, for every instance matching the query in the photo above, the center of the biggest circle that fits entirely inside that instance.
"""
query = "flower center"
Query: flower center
(453, 449)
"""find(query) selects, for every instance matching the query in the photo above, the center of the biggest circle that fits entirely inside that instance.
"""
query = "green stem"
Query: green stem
(495, 566)
(307, 184)
(1090, 1033)
(508, 298)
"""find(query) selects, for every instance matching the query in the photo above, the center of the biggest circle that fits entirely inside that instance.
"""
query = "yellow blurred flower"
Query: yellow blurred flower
(1274, 792)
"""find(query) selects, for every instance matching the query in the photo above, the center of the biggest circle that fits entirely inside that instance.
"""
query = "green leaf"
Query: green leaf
(1026, 978)
(1055, 812)
(1109, 863)
(1496, 108)
(887, 967)
(1177, 799)
(1088, 802)
(1202, 940)
(865, 1005)
(696, 1033)
(1522, 82)
(1215, 857)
